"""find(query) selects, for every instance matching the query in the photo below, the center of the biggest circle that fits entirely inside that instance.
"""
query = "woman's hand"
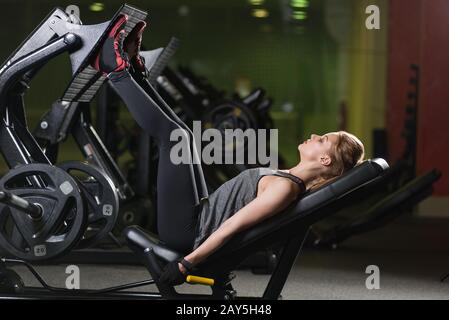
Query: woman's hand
(172, 274)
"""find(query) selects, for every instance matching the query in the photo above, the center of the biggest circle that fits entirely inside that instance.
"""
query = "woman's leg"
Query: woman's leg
(179, 193)
(199, 175)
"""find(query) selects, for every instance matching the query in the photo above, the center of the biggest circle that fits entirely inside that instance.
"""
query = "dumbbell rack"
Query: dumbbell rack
(403, 191)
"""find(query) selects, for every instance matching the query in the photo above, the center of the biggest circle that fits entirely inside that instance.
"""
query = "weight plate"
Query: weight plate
(231, 115)
(63, 218)
(139, 211)
(101, 197)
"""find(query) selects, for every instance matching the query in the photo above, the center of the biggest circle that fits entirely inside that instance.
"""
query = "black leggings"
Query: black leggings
(180, 187)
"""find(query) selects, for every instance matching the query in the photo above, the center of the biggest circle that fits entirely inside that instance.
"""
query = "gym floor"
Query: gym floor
(411, 257)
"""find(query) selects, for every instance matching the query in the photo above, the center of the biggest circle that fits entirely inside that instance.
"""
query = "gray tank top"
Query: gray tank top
(231, 197)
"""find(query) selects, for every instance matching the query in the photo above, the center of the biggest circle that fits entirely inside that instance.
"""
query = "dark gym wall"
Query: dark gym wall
(419, 33)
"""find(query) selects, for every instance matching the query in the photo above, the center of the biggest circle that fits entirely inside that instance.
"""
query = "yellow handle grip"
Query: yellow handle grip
(200, 280)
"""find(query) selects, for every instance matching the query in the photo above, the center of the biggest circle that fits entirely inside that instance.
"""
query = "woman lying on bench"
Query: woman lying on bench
(189, 220)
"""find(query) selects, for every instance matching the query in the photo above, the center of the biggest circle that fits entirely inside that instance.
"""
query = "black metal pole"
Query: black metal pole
(34, 210)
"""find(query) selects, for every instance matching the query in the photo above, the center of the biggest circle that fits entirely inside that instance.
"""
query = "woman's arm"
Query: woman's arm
(276, 197)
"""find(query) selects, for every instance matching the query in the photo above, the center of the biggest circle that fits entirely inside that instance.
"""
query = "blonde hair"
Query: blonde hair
(348, 153)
